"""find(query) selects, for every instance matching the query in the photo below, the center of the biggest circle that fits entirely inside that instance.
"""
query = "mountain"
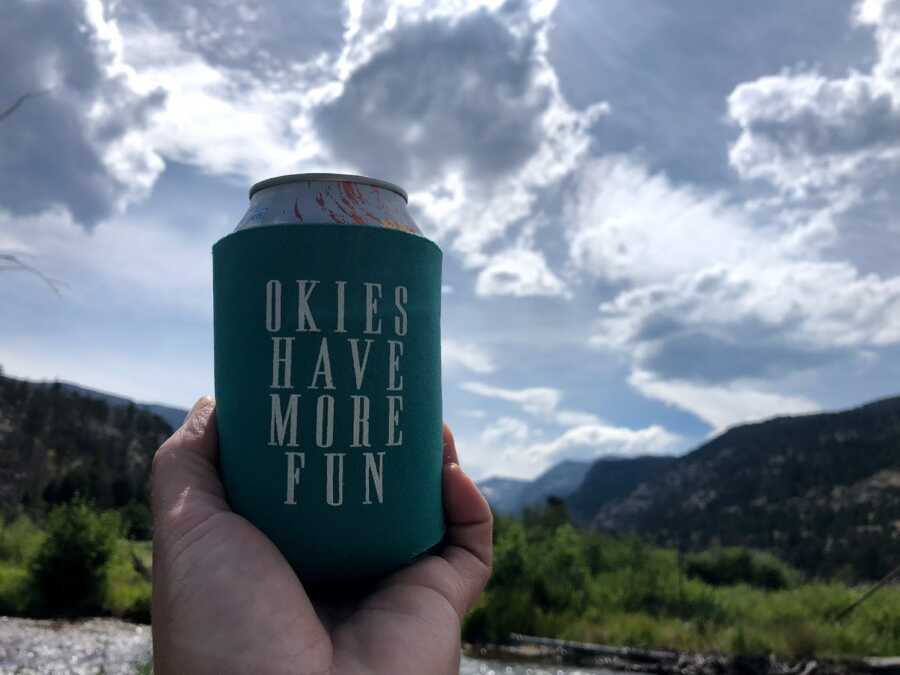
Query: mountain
(560, 481)
(610, 479)
(59, 440)
(173, 416)
(821, 491)
(509, 496)
(503, 494)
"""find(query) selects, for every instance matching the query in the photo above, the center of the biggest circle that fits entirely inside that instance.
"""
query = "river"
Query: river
(30, 647)
(480, 667)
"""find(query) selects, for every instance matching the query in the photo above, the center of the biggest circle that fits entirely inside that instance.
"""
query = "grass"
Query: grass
(15, 589)
(554, 581)
(127, 591)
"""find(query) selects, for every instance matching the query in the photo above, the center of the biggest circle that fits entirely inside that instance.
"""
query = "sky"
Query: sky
(658, 220)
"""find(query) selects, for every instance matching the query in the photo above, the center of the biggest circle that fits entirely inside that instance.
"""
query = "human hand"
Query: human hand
(226, 601)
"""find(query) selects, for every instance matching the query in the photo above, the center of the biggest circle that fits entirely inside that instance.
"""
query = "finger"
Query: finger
(450, 454)
(184, 467)
(468, 546)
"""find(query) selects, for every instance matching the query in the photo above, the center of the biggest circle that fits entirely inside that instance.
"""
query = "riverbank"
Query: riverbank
(548, 651)
(115, 647)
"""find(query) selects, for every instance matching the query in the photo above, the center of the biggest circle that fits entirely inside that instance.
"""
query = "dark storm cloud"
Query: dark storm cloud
(667, 68)
(835, 119)
(264, 40)
(51, 150)
(749, 350)
(440, 95)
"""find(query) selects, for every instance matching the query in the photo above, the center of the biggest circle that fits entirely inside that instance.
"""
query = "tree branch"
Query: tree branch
(19, 101)
(10, 262)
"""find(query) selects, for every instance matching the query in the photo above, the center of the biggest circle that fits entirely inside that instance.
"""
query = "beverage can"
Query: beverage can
(327, 374)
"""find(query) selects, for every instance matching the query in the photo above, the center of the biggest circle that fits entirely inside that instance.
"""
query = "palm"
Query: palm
(226, 600)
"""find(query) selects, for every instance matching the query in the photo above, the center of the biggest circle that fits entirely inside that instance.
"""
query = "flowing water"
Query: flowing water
(488, 667)
(112, 647)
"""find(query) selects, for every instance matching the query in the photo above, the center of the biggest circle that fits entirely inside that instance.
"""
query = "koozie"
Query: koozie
(327, 379)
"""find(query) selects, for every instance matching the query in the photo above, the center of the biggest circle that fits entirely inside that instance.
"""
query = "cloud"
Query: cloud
(542, 403)
(505, 432)
(519, 272)
(206, 120)
(712, 293)
(79, 145)
(627, 224)
(466, 355)
(798, 307)
(512, 446)
(448, 95)
(455, 100)
(721, 406)
(265, 41)
(458, 102)
(538, 401)
(805, 132)
(589, 441)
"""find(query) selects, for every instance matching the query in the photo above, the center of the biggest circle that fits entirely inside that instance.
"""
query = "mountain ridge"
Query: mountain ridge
(821, 490)
(510, 496)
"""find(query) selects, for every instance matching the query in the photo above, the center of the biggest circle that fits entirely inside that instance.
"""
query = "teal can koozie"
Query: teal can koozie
(327, 375)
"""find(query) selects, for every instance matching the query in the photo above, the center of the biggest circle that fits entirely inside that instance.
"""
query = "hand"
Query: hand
(226, 601)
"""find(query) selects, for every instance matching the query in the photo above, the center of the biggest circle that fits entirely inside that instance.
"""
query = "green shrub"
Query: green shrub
(19, 541)
(127, 591)
(734, 565)
(70, 568)
(137, 522)
(15, 589)
(560, 574)
(748, 643)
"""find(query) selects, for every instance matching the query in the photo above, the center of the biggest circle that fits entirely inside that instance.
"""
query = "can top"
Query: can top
(335, 177)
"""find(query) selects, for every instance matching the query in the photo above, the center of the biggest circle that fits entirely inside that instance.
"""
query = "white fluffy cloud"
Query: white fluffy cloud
(455, 100)
(628, 224)
(804, 132)
(538, 401)
(584, 437)
(719, 304)
(589, 441)
(519, 272)
(724, 405)
(462, 354)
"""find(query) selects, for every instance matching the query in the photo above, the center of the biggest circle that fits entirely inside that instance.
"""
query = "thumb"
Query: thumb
(185, 483)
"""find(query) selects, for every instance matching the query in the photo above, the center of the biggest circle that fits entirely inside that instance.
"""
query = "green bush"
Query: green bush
(734, 565)
(137, 522)
(552, 580)
(127, 591)
(69, 570)
(19, 541)
(15, 589)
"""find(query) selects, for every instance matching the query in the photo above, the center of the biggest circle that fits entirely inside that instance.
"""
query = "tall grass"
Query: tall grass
(555, 581)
